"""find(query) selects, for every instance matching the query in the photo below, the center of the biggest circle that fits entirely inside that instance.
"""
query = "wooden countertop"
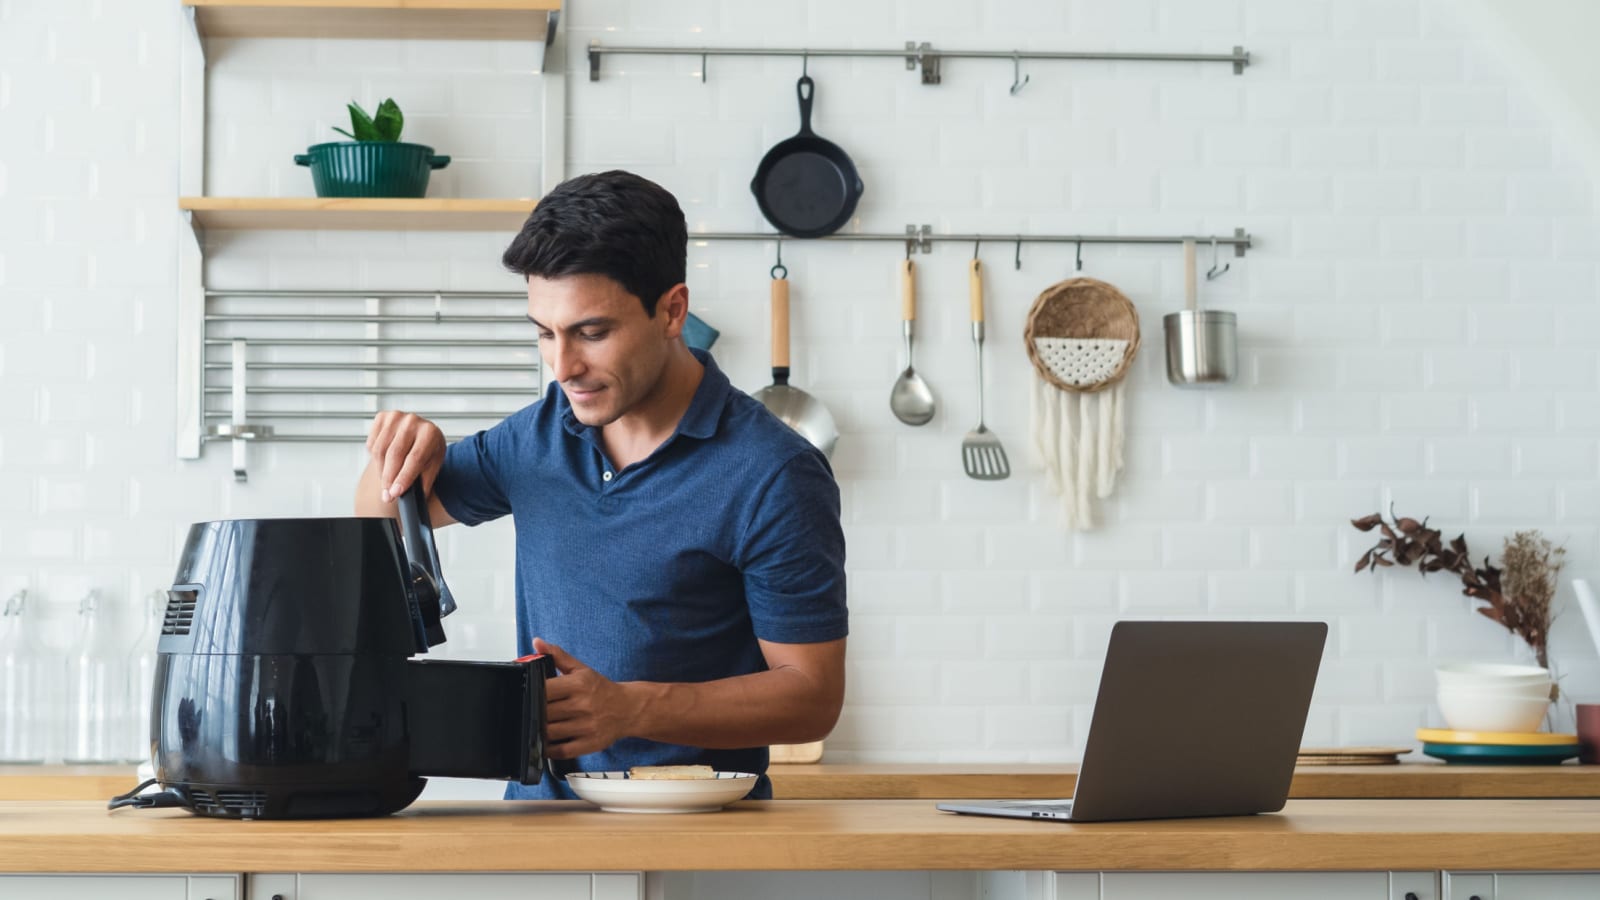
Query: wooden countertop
(1413, 780)
(1309, 835)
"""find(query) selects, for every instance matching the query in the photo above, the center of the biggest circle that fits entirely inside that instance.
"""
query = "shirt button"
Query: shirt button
(606, 476)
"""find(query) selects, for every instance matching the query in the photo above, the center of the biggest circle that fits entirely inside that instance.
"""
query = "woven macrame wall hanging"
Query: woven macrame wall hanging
(1082, 335)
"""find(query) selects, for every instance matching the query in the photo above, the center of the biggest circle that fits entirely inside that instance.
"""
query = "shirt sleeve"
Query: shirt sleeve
(792, 556)
(470, 485)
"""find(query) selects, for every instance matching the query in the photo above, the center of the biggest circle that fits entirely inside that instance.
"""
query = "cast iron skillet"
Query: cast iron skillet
(806, 186)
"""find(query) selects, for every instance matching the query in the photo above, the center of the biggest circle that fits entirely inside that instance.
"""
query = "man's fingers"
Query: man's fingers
(565, 662)
(393, 462)
(406, 475)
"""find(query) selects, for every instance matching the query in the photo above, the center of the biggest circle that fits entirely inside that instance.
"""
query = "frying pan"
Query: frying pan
(806, 185)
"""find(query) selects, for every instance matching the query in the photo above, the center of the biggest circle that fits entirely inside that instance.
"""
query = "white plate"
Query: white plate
(616, 792)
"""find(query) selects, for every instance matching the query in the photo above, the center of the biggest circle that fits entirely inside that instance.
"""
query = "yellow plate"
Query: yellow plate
(1503, 738)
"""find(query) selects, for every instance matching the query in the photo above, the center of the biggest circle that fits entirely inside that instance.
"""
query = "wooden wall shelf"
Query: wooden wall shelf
(359, 213)
(425, 19)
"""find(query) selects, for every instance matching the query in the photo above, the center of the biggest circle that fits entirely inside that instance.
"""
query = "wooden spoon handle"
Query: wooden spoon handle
(975, 289)
(780, 323)
(908, 291)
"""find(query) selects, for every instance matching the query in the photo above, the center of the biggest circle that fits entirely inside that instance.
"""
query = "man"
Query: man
(679, 553)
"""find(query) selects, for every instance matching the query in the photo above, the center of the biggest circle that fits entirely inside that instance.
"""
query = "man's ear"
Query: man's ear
(673, 309)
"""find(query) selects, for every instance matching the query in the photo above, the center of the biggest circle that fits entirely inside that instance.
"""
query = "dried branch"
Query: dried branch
(1517, 596)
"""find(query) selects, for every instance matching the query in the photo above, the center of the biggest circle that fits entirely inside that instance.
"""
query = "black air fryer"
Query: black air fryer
(284, 686)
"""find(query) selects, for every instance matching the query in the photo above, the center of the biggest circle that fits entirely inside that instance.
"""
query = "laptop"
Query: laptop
(1192, 719)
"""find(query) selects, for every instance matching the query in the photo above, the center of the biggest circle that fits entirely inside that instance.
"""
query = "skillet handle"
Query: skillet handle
(780, 330)
(975, 290)
(806, 89)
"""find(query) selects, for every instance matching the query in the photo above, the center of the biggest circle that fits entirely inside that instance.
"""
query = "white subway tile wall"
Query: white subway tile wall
(1417, 317)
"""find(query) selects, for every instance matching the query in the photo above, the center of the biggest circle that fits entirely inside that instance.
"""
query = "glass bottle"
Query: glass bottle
(21, 685)
(140, 665)
(96, 697)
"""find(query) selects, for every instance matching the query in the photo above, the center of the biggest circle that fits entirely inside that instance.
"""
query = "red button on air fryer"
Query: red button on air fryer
(530, 657)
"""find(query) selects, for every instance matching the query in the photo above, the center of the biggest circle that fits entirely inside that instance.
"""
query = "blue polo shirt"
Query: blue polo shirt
(671, 568)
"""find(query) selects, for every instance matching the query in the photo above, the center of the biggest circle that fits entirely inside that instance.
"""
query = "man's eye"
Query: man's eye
(592, 335)
(546, 335)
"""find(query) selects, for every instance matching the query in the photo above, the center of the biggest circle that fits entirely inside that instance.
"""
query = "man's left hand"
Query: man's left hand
(585, 711)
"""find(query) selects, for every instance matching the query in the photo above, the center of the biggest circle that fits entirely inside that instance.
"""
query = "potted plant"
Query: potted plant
(375, 162)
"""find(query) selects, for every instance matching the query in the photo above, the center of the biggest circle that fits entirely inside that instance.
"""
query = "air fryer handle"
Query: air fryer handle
(424, 579)
(542, 669)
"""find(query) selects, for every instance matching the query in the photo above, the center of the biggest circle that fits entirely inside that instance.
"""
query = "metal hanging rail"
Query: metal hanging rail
(922, 239)
(922, 55)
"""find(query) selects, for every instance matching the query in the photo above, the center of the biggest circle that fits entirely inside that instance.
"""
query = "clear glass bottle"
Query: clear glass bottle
(96, 695)
(22, 721)
(140, 665)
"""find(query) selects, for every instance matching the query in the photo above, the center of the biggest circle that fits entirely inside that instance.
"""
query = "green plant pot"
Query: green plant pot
(370, 168)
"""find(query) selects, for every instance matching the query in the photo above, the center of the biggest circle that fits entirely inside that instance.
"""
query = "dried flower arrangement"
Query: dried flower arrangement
(1517, 595)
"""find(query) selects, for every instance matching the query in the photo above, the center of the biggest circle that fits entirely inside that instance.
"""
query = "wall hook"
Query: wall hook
(1078, 262)
(779, 266)
(1019, 253)
(805, 64)
(1018, 80)
(1213, 273)
(975, 246)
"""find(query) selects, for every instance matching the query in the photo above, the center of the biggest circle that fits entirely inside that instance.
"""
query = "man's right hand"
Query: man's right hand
(402, 447)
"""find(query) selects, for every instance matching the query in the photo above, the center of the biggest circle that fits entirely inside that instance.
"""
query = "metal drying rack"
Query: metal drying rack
(254, 372)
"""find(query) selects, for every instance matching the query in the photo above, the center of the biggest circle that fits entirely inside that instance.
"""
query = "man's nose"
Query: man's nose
(562, 357)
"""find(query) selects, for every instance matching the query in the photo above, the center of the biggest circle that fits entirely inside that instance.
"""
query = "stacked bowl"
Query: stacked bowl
(1494, 711)
(1499, 697)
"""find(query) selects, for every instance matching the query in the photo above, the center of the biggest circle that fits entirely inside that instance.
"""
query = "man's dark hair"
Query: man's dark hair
(615, 224)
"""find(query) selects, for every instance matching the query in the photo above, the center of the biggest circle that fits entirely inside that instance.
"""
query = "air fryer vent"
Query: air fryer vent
(180, 611)
(243, 804)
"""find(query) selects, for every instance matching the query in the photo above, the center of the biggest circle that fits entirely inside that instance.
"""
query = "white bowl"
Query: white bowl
(1490, 712)
(1532, 691)
(616, 792)
(1496, 673)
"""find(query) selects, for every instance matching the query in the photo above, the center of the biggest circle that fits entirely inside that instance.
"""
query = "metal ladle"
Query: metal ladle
(912, 399)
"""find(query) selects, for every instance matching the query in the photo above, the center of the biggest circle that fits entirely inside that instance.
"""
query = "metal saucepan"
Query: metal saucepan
(806, 185)
(798, 409)
(1202, 344)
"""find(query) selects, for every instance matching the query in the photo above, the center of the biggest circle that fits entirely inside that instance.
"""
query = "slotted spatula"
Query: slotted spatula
(981, 452)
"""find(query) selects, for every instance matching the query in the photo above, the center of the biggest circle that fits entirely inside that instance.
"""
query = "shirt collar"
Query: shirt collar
(699, 420)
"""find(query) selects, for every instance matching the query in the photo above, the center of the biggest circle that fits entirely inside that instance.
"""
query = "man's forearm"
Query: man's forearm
(779, 706)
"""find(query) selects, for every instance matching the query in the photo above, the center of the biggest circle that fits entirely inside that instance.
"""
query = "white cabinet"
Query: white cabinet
(1522, 885)
(120, 887)
(485, 886)
(1243, 886)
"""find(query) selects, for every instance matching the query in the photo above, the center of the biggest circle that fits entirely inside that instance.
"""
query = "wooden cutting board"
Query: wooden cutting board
(796, 754)
(1350, 756)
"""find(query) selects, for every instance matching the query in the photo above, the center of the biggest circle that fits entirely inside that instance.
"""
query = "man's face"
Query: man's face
(597, 340)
